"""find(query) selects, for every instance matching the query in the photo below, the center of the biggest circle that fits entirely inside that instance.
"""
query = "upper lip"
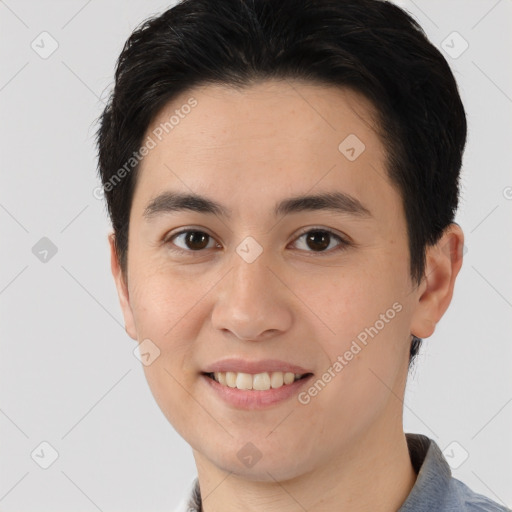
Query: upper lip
(245, 366)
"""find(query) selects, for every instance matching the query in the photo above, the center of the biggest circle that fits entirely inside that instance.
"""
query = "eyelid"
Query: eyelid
(341, 236)
(167, 240)
(344, 240)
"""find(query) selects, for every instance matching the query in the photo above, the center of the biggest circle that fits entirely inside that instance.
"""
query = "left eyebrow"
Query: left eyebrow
(338, 202)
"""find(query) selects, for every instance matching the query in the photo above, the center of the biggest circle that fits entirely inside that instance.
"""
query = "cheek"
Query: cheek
(368, 353)
(367, 378)
(164, 307)
(162, 299)
(171, 393)
(359, 304)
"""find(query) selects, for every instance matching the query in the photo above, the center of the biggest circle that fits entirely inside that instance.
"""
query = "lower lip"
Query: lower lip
(251, 399)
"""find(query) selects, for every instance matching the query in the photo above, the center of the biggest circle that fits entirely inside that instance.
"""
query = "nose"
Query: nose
(252, 303)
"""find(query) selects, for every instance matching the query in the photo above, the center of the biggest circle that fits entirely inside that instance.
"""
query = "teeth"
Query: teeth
(230, 379)
(289, 377)
(243, 381)
(277, 379)
(260, 381)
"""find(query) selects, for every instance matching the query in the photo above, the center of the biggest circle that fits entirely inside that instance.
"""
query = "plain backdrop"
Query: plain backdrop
(68, 376)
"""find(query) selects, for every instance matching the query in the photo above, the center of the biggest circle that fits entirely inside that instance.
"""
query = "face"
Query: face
(245, 278)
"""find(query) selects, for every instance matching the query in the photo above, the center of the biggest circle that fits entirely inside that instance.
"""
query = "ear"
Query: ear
(122, 289)
(443, 262)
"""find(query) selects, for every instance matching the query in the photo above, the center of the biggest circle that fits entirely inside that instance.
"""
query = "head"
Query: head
(221, 122)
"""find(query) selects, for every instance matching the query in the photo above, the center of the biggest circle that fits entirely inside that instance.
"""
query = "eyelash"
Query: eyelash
(342, 245)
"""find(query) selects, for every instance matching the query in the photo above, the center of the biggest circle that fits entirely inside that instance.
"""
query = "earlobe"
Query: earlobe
(443, 262)
(122, 289)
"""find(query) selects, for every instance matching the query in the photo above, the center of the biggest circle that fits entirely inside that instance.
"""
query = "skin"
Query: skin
(248, 149)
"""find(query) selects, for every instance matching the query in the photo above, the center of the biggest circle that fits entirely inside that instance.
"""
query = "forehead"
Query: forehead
(250, 146)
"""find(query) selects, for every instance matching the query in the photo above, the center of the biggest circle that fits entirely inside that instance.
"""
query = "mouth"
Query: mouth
(263, 381)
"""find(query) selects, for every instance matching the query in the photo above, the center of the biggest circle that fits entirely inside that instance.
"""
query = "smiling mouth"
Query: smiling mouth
(258, 382)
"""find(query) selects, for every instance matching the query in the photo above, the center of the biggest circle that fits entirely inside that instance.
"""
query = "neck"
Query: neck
(376, 474)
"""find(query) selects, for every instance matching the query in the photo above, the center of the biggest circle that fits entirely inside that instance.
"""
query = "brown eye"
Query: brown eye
(191, 240)
(312, 241)
(321, 240)
(196, 240)
(318, 240)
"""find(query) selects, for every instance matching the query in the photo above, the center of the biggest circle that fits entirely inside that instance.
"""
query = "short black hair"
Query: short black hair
(370, 46)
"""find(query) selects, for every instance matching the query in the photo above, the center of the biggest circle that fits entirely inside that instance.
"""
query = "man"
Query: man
(282, 179)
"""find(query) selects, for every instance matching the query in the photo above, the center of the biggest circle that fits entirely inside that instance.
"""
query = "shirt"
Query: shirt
(435, 490)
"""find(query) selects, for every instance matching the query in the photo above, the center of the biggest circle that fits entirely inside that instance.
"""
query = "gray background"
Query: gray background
(67, 372)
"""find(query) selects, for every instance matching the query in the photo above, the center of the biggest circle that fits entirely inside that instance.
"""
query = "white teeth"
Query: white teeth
(260, 381)
(243, 381)
(276, 380)
(230, 379)
(222, 378)
(289, 377)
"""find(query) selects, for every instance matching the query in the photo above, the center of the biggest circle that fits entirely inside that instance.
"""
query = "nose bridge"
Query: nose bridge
(251, 287)
(249, 302)
(251, 279)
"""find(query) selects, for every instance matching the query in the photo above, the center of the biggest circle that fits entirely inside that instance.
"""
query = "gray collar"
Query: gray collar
(434, 475)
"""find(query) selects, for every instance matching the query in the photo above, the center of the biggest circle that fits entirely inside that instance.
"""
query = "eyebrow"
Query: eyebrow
(338, 202)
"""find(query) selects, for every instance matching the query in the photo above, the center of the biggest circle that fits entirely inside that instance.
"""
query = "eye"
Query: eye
(192, 240)
(320, 240)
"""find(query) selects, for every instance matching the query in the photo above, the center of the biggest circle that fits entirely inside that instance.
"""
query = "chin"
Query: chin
(265, 465)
